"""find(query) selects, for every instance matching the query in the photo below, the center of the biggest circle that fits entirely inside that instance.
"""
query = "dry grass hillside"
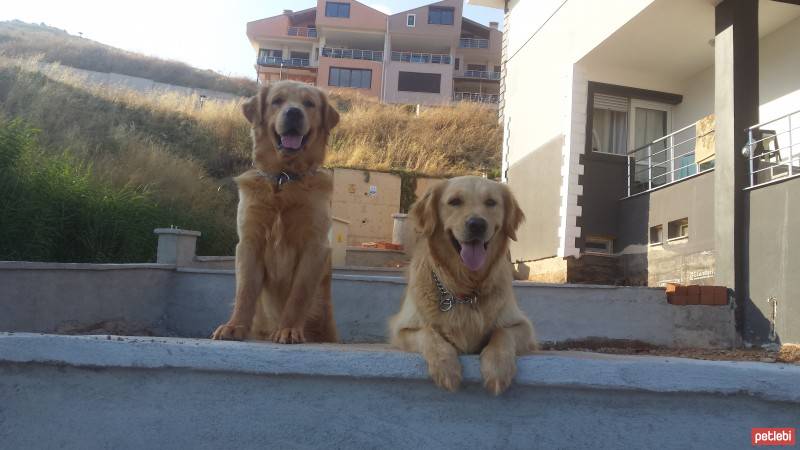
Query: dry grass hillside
(171, 159)
(23, 40)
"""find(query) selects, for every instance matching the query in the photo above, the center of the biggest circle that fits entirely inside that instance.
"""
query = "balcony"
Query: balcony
(473, 43)
(422, 58)
(773, 149)
(350, 53)
(476, 97)
(302, 32)
(665, 161)
(481, 75)
(291, 62)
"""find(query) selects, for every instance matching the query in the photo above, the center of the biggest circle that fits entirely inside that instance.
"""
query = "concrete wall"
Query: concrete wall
(361, 17)
(369, 214)
(49, 297)
(688, 261)
(773, 261)
(91, 393)
(779, 59)
(448, 34)
(392, 76)
(193, 302)
(539, 197)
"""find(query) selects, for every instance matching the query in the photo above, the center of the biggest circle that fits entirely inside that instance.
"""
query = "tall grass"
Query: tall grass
(19, 40)
(154, 160)
(54, 209)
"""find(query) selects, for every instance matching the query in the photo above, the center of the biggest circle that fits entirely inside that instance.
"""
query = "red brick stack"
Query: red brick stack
(697, 295)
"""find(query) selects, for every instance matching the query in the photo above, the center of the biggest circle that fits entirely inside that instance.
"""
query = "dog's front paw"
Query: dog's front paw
(497, 369)
(229, 332)
(446, 372)
(289, 336)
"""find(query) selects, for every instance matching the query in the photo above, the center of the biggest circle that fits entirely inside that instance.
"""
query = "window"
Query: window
(477, 67)
(656, 235)
(440, 16)
(497, 69)
(333, 9)
(300, 55)
(598, 245)
(411, 20)
(419, 82)
(678, 229)
(457, 63)
(351, 78)
(610, 124)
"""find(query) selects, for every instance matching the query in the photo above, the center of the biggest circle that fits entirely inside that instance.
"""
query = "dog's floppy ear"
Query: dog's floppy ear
(253, 108)
(330, 117)
(425, 212)
(513, 214)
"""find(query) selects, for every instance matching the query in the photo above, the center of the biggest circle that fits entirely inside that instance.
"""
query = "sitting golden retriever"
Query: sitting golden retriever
(459, 297)
(283, 265)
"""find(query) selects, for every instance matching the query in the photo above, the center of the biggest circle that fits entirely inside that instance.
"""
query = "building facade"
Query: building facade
(430, 55)
(660, 142)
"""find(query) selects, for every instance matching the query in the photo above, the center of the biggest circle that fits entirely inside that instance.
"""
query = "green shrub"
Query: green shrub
(52, 208)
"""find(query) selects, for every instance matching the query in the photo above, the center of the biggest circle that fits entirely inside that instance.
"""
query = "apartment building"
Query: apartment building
(430, 55)
(658, 141)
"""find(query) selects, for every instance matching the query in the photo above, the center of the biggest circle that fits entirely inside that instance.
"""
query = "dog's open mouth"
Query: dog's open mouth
(473, 253)
(291, 141)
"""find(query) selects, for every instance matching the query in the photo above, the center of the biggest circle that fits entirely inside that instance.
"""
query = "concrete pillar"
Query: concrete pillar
(176, 246)
(399, 229)
(736, 108)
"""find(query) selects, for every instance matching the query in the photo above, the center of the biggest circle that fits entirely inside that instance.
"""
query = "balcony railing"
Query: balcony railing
(351, 53)
(664, 161)
(423, 58)
(302, 32)
(773, 149)
(481, 74)
(473, 43)
(476, 97)
(291, 62)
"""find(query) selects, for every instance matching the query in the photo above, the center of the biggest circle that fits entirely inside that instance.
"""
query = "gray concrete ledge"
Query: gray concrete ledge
(773, 382)
(34, 265)
(177, 231)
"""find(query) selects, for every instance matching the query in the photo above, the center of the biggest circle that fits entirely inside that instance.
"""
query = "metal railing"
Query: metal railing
(423, 58)
(482, 74)
(291, 62)
(473, 43)
(774, 152)
(351, 53)
(664, 161)
(302, 32)
(476, 97)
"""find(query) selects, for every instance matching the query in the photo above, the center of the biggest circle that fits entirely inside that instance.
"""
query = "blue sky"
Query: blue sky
(209, 34)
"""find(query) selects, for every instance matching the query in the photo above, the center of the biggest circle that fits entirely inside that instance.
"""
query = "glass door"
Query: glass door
(649, 122)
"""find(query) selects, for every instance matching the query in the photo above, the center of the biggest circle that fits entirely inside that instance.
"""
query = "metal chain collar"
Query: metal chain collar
(447, 299)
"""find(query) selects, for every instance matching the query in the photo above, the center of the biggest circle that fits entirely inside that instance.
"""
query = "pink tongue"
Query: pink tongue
(291, 141)
(473, 254)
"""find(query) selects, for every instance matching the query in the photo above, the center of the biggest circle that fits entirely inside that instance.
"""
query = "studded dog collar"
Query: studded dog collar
(447, 299)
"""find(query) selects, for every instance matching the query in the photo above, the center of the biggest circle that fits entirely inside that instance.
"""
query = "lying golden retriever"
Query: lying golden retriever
(459, 297)
(283, 265)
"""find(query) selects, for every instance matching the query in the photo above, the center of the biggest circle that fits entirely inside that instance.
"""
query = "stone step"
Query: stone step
(92, 392)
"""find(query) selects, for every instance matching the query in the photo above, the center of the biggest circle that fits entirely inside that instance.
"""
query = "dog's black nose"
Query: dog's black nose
(294, 115)
(476, 226)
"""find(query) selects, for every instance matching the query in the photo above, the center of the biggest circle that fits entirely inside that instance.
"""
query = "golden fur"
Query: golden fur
(494, 326)
(283, 266)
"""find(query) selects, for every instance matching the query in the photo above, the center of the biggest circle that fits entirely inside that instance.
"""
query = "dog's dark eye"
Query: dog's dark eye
(277, 101)
(455, 201)
(308, 103)
(490, 202)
